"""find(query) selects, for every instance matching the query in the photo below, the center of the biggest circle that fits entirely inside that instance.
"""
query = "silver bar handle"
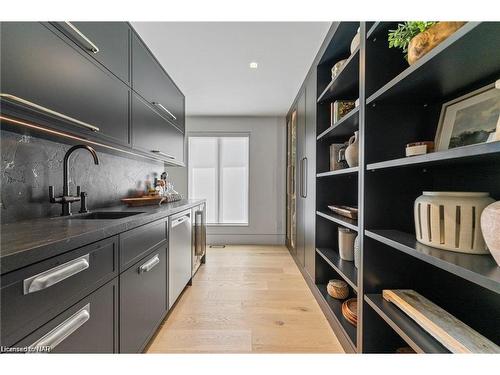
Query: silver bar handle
(55, 275)
(163, 154)
(161, 106)
(179, 221)
(198, 232)
(92, 47)
(48, 110)
(150, 264)
(304, 178)
(64, 330)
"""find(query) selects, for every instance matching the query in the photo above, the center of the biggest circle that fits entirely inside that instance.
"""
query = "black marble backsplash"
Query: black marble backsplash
(30, 165)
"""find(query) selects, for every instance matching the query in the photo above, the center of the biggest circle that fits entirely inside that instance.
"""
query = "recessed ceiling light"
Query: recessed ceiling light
(254, 65)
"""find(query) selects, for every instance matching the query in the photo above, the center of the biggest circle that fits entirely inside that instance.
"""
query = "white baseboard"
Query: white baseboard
(245, 239)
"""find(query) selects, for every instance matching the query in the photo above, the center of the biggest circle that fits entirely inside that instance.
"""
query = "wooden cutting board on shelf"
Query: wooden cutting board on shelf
(455, 335)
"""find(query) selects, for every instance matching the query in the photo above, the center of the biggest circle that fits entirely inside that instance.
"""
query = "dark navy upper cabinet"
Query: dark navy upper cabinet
(153, 134)
(42, 70)
(153, 84)
(107, 42)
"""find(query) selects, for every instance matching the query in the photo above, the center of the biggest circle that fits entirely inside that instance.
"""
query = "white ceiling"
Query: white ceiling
(209, 61)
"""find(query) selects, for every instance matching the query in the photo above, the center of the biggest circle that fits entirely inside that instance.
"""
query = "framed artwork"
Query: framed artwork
(470, 119)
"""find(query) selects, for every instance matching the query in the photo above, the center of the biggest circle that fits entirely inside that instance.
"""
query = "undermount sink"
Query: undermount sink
(103, 215)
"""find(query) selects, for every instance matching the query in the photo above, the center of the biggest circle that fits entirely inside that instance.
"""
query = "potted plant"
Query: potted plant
(416, 38)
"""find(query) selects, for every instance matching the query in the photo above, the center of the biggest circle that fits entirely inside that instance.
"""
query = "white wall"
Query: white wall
(267, 178)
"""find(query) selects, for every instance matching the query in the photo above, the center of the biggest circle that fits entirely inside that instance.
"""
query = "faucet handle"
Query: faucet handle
(51, 193)
(78, 190)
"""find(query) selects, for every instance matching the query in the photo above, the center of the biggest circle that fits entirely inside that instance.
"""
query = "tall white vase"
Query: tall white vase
(451, 220)
(490, 225)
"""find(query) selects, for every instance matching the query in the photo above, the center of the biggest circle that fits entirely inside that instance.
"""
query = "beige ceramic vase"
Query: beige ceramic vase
(449, 220)
(490, 226)
(352, 151)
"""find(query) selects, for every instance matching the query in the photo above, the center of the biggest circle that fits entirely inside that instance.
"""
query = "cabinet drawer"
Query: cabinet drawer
(154, 85)
(153, 134)
(35, 294)
(39, 65)
(111, 39)
(143, 300)
(90, 326)
(135, 243)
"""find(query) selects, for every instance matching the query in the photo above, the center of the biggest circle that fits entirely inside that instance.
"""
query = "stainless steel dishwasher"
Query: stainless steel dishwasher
(179, 254)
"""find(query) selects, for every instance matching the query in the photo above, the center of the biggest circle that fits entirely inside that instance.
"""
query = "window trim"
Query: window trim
(218, 135)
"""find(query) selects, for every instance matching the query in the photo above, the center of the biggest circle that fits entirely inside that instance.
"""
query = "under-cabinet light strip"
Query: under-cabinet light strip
(66, 135)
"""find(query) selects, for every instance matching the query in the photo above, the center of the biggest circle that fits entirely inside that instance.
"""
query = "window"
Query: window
(218, 172)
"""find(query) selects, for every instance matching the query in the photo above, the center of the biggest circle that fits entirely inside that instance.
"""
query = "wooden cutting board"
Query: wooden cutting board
(444, 327)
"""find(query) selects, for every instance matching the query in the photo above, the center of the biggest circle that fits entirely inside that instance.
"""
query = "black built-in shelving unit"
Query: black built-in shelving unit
(401, 104)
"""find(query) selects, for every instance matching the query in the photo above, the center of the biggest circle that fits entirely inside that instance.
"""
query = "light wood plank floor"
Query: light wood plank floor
(246, 299)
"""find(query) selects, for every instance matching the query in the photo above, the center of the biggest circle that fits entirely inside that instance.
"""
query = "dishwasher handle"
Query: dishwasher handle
(180, 220)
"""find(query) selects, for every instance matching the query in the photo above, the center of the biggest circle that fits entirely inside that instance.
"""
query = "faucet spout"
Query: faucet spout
(66, 164)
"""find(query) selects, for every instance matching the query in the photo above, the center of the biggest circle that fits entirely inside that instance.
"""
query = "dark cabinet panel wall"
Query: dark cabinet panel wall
(56, 66)
(37, 65)
(306, 169)
(310, 170)
(301, 165)
(154, 85)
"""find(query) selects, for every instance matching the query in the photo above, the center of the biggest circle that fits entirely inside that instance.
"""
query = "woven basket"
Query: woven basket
(338, 289)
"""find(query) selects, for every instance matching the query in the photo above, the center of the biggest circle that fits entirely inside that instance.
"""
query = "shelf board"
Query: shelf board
(479, 269)
(344, 221)
(446, 69)
(340, 42)
(380, 29)
(404, 326)
(336, 308)
(344, 268)
(346, 83)
(345, 127)
(344, 171)
(466, 154)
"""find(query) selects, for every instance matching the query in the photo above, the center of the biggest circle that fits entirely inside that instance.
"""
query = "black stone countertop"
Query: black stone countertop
(27, 242)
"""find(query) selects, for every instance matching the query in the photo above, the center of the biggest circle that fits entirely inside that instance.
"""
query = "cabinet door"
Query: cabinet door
(90, 326)
(310, 200)
(111, 40)
(39, 65)
(302, 176)
(143, 300)
(153, 84)
(152, 134)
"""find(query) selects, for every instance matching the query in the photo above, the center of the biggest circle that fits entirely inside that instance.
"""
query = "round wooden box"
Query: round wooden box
(338, 289)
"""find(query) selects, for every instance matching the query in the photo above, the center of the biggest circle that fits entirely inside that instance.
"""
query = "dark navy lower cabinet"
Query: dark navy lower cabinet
(90, 326)
(35, 294)
(143, 300)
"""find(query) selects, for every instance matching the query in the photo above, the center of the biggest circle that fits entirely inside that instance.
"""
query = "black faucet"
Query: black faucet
(65, 200)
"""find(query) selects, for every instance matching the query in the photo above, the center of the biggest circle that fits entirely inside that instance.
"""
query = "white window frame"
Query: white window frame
(219, 135)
